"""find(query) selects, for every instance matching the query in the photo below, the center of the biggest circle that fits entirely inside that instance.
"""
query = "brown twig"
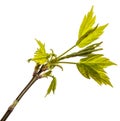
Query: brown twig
(35, 77)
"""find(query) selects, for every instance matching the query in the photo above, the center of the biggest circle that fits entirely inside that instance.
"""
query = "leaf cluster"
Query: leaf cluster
(91, 65)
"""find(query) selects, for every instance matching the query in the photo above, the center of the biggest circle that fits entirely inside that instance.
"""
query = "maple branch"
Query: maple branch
(91, 66)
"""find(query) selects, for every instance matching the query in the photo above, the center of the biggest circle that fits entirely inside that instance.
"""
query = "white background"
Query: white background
(56, 23)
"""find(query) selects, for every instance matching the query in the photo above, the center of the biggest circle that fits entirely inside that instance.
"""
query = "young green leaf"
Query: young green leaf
(87, 32)
(93, 67)
(92, 36)
(40, 56)
(87, 23)
(52, 86)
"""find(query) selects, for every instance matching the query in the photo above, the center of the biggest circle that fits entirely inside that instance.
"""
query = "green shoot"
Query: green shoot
(90, 64)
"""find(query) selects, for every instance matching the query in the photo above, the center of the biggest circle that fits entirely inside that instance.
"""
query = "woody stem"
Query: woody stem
(35, 77)
(13, 105)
